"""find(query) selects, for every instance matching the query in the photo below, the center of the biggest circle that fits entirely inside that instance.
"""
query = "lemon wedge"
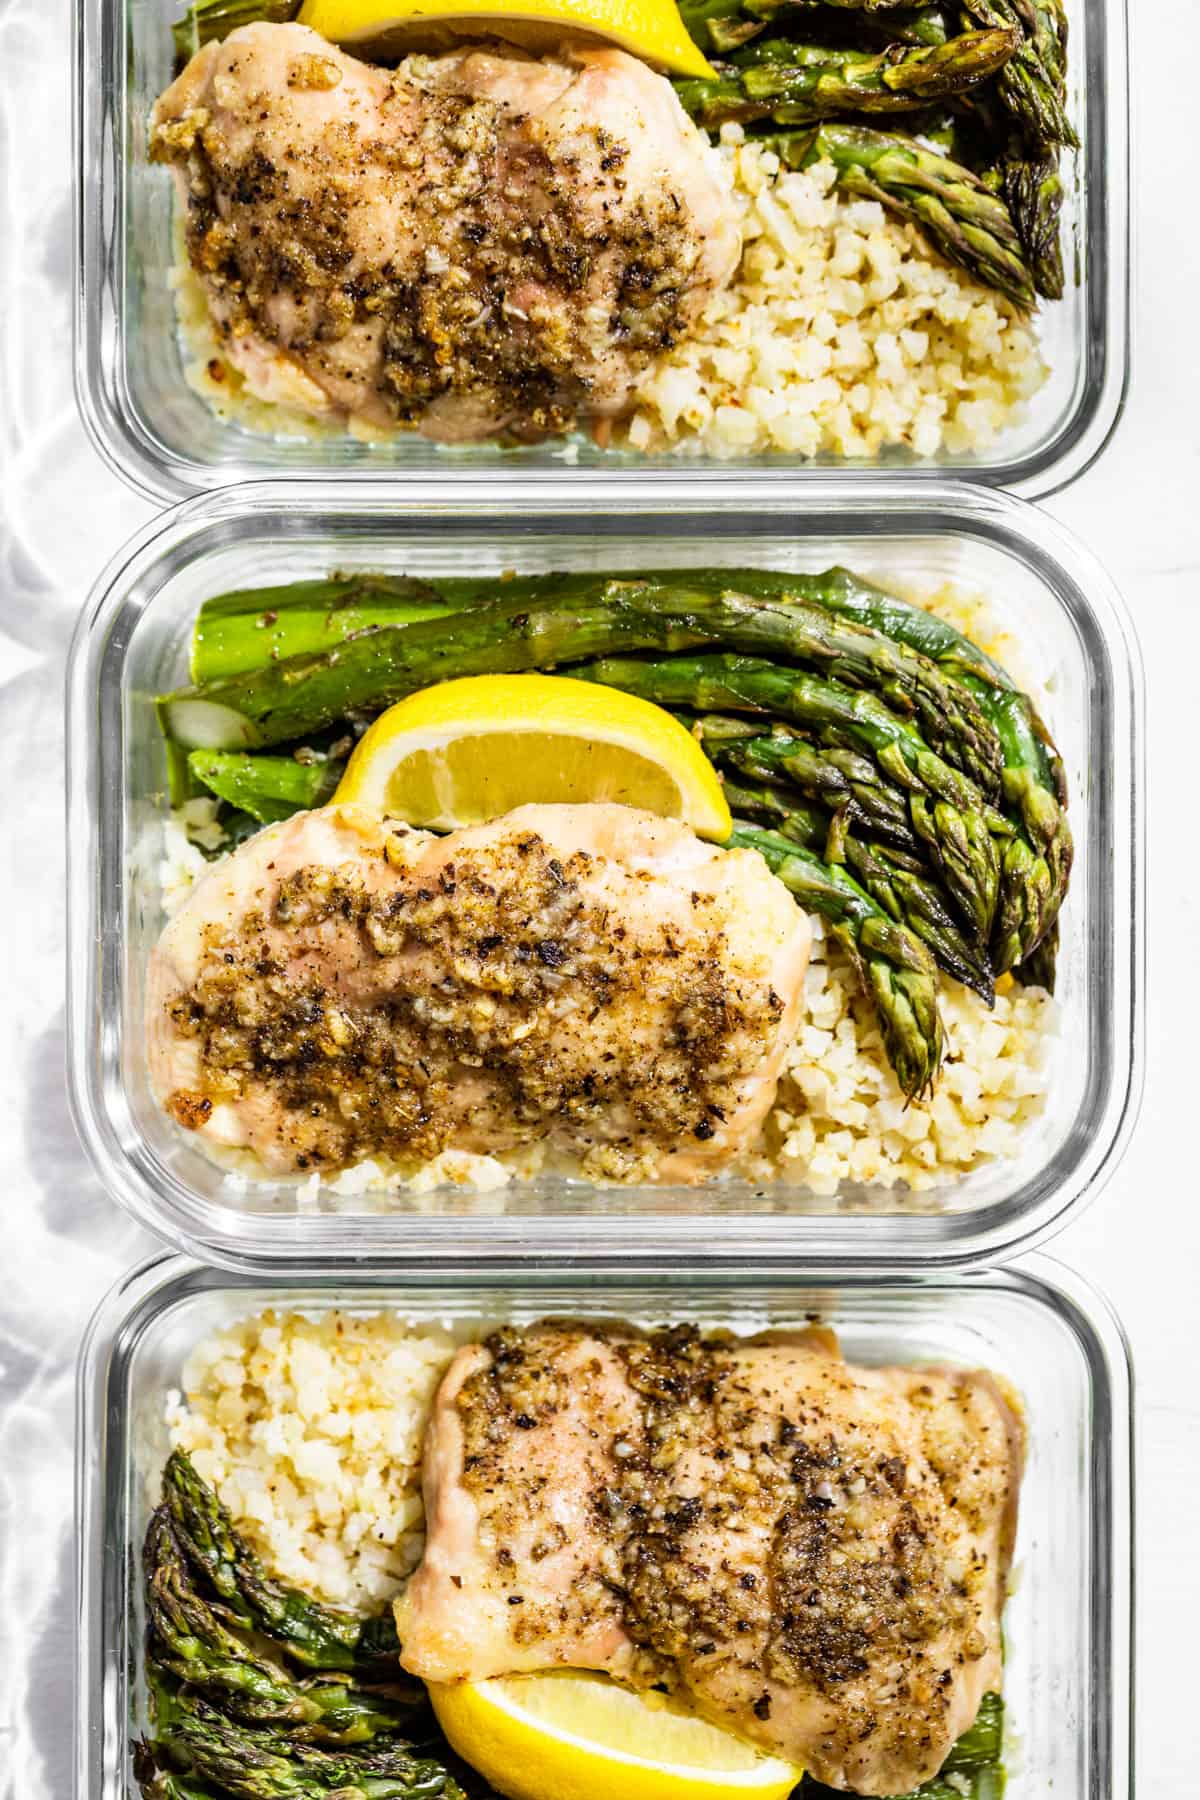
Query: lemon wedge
(467, 751)
(571, 1736)
(651, 29)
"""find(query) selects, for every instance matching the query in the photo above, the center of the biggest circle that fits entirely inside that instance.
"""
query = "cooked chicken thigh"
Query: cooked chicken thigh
(588, 976)
(810, 1553)
(473, 243)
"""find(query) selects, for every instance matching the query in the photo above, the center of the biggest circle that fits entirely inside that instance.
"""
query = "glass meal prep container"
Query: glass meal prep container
(1068, 1648)
(161, 436)
(132, 641)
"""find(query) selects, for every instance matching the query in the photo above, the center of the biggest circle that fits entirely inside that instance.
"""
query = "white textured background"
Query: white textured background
(62, 1242)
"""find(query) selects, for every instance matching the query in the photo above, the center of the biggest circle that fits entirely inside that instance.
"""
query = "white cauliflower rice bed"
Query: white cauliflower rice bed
(841, 334)
(311, 1431)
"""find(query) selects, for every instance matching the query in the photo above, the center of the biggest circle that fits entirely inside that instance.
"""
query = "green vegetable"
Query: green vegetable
(271, 1766)
(266, 787)
(1040, 967)
(795, 84)
(844, 780)
(318, 1636)
(969, 224)
(190, 1642)
(946, 810)
(1034, 191)
(894, 966)
(1033, 84)
(895, 881)
(245, 629)
(285, 700)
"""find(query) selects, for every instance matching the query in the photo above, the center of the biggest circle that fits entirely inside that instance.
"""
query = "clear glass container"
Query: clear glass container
(131, 643)
(161, 436)
(1068, 1627)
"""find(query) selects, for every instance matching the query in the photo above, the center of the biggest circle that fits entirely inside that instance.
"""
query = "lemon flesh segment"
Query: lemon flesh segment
(468, 751)
(573, 1736)
(650, 29)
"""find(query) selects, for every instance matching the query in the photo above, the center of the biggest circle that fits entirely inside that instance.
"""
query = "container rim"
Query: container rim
(1087, 1313)
(931, 1241)
(134, 453)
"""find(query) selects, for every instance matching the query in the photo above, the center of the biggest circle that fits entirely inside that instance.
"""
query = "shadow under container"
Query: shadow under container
(158, 433)
(1068, 1648)
(132, 643)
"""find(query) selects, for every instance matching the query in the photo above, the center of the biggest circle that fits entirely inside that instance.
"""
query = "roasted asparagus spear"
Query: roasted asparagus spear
(284, 701)
(255, 1765)
(191, 1642)
(960, 827)
(243, 629)
(894, 966)
(796, 84)
(898, 883)
(845, 781)
(958, 212)
(1034, 191)
(266, 787)
(318, 1636)
(1033, 83)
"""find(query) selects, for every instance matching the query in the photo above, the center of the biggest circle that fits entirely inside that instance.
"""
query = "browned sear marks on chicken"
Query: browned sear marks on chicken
(473, 243)
(338, 990)
(811, 1553)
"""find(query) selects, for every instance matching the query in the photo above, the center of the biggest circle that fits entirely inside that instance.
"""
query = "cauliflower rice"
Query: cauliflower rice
(841, 333)
(311, 1431)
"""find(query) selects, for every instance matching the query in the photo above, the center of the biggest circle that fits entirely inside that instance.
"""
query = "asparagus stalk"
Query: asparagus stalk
(1036, 861)
(894, 966)
(920, 25)
(266, 1766)
(190, 1642)
(1025, 741)
(318, 1636)
(286, 700)
(946, 810)
(797, 84)
(1034, 191)
(244, 629)
(834, 590)
(266, 787)
(963, 219)
(1040, 967)
(167, 1784)
(845, 781)
(724, 25)
(849, 596)
(766, 9)
(1033, 85)
(718, 24)
(897, 883)
(1026, 744)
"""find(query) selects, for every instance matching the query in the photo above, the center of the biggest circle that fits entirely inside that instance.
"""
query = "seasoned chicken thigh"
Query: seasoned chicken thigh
(588, 976)
(810, 1553)
(473, 243)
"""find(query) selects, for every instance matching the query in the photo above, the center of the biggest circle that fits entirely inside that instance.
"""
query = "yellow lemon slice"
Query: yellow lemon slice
(467, 751)
(572, 1736)
(651, 29)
